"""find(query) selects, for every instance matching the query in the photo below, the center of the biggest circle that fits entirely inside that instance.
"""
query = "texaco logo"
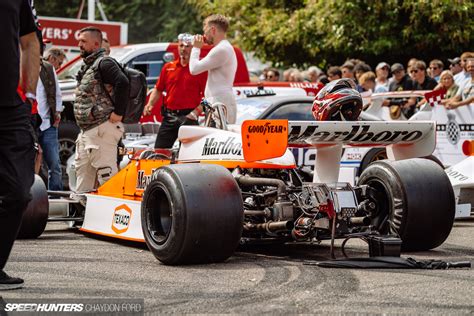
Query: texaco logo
(452, 129)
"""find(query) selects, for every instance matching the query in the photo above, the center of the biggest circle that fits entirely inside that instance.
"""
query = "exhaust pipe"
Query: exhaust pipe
(281, 186)
(271, 227)
(359, 221)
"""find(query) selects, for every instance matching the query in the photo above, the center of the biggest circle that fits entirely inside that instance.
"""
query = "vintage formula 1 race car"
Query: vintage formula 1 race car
(227, 185)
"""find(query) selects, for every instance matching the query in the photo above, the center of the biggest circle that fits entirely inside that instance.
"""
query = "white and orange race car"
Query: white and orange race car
(234, 184)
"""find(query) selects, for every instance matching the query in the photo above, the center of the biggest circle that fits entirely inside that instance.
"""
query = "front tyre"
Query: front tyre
(35, 216)
(414, 200)
(192, 213)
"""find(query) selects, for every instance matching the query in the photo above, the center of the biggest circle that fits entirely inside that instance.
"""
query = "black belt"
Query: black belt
(179, 112)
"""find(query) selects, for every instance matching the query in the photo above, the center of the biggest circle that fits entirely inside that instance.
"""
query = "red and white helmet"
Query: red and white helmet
(338, 101)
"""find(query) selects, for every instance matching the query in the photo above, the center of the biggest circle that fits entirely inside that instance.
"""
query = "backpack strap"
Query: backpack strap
(100, 75)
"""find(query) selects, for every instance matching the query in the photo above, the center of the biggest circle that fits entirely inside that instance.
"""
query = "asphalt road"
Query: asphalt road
(66, 264)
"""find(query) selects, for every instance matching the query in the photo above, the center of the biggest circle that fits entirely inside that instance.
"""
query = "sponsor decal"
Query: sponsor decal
(266, 128)
(254, 92)
(358, 133)
(121, 219)
(354, 156)
(452, 129)
(228, 147)
(453, 174)
(143, 180)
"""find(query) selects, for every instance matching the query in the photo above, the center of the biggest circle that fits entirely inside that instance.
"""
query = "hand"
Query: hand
(147, 110)
(198, 41)
(57, 119)
(452, 105)
(192, 116)
(114, 118)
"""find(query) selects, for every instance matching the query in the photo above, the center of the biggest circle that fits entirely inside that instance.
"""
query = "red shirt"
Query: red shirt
(183, 90)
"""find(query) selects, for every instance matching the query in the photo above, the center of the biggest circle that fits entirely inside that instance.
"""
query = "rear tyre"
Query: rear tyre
(414, 199)
(376, 154)
(67, 135)
(192, 213)
(35, 216)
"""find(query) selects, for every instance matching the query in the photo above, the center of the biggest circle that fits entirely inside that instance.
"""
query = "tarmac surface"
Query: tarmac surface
(64, 263)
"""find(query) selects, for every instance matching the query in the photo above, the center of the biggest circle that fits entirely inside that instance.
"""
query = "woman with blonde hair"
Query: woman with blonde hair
(446, 81)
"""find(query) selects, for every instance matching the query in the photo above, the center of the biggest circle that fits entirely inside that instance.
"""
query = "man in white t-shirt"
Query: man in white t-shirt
(221, 64)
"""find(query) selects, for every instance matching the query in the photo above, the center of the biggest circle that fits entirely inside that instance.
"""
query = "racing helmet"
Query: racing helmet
(338, 101)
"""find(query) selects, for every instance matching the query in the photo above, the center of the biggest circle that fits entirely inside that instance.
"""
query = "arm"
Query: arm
(113, 75)
(157, 91)
(59, 98)
(455, 104)
(154, 96)
(30, 62)
(216, 58)
(59, 102)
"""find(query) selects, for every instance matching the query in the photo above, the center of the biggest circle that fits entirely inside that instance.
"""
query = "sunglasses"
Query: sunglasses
(433, 68)
(414, 71)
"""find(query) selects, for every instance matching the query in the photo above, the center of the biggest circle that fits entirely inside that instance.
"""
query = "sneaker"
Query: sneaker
(9, 283)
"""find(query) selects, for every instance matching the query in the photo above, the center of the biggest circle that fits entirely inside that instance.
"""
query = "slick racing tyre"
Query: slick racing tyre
(376, 154)
(192, 213)
(35, 216)
(67, 135)
(414, 199)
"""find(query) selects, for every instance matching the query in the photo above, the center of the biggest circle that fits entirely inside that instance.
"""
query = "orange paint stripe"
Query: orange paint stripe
(111, 235)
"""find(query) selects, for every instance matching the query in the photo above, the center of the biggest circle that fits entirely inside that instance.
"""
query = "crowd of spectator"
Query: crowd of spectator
(456, 78)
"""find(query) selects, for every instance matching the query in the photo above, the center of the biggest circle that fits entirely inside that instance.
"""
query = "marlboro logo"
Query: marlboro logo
(228, 147)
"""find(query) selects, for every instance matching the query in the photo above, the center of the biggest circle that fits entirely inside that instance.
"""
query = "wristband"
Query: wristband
(194, 115)
(30, 95)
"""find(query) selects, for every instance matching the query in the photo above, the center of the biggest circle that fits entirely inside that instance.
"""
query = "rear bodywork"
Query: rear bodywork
(114, 210)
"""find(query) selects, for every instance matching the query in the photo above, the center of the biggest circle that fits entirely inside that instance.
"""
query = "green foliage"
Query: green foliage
(148, 20)
(302, 32)
(329, 31)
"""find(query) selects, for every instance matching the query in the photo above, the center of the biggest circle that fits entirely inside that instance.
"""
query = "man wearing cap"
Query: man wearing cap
(455, 65)
(381, 81)
(401, 82)
(183, 95)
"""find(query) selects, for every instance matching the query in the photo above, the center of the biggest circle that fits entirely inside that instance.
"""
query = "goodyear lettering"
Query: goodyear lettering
(230, 146)
(264, 129)
(358, 133)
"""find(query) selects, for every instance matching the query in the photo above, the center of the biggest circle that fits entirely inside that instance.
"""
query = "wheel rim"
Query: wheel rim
(66, 150)
(380, 156)
(159, 218)
(378, 194)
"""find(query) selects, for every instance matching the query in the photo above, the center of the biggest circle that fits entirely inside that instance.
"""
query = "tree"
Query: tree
(148, 20)
(301, 32)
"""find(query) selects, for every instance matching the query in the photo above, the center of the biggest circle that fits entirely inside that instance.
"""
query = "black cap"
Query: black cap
(396, 67)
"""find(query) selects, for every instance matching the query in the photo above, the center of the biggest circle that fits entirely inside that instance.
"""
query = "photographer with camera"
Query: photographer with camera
(401, 82)
(183, 95)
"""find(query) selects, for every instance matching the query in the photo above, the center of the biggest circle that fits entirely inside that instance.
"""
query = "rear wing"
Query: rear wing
(265, 139)
(376, 110)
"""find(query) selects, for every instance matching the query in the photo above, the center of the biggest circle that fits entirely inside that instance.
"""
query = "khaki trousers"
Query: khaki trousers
(96, 155)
